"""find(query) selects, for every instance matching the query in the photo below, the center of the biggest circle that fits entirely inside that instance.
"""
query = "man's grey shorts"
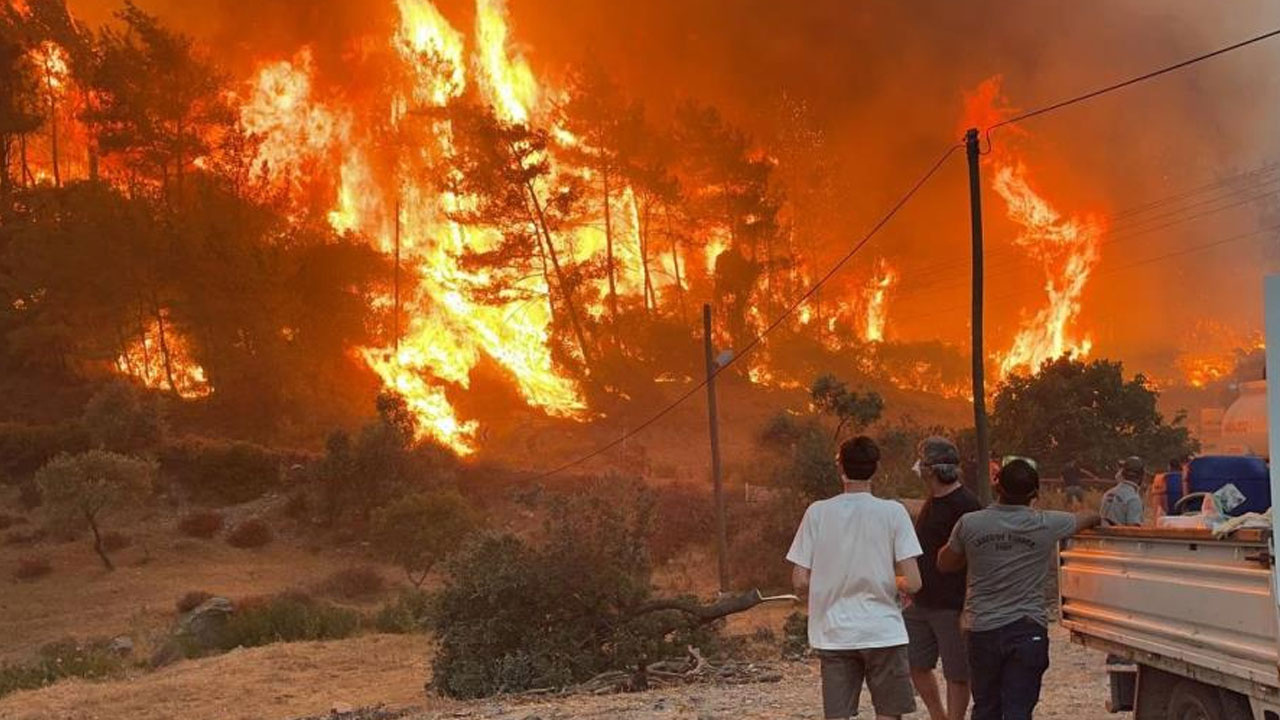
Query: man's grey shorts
(935, 633)
(885, 671)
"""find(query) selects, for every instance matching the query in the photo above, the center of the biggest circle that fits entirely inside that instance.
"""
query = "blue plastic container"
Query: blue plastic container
(1248, 474)
(1172, 490)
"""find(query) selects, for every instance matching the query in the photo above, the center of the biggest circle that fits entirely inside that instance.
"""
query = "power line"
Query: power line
(1131, 81)
(744, 350)
(1115, 269)
(879, 225)
(1236, 185)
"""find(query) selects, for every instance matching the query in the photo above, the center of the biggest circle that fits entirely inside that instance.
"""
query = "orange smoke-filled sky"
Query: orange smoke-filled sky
(882, 83)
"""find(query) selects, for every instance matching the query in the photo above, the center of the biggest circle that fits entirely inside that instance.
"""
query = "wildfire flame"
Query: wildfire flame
(1212, 351)
(448, 329)
(1065, 247)
(875, 296)
(145, 360)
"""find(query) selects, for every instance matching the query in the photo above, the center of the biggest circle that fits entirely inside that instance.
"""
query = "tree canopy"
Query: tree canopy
(1087, 412)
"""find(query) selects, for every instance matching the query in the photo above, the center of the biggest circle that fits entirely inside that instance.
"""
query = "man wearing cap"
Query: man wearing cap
(854, 554)
(1007, 549)
(1122, 504)
(933, 619)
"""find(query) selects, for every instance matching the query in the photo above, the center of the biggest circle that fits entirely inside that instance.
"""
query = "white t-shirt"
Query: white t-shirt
(850, 544)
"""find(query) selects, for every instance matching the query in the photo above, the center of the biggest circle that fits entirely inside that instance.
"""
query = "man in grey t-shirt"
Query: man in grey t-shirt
(1122, 504)
(1007, 548)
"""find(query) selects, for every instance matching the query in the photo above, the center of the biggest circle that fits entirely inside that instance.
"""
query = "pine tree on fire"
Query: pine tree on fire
(506, 183)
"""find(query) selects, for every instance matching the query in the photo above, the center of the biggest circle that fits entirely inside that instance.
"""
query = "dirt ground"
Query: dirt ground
(279, 682)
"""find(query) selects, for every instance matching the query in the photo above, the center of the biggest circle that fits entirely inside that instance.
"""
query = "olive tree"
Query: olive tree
(419, 530)
(83, 489)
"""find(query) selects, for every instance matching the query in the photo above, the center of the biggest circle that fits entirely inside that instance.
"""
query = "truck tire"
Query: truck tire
(1191, 700)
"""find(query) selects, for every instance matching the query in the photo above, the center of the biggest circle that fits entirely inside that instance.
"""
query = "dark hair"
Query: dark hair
(859, 458)
(1017, 483)
(1175, 465)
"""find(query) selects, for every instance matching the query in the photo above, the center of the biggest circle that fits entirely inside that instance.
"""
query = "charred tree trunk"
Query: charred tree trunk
(565, 291)
(161, 334)
(97, 541)
(650, 297)
(27, 179)
(675, 261)
(608, 244)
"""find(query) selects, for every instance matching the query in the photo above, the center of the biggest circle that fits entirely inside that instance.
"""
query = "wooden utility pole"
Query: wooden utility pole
(983, 480)
(722, 543)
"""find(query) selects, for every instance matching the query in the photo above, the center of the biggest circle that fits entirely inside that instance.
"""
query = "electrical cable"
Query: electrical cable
(773, 325)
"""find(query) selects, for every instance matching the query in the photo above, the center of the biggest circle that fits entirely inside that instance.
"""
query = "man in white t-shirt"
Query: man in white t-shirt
(854, 556)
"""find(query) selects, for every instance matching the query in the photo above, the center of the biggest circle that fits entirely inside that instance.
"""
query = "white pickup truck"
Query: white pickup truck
(1197, 616)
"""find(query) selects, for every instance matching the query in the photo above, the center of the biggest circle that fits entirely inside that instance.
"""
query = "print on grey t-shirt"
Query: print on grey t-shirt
(1007, 548)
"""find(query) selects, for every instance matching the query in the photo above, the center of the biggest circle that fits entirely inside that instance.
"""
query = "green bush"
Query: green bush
(410, 612)
(87, 488)
(221, 473)
(420, 529)
(287, 617)
(354, 583)
(514, 616)
(252, 533)
(122, 418)
(202, 524)
(24, 449)
(57, 661)
(32, 568)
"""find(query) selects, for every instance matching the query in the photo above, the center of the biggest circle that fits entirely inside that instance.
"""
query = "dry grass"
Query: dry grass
(276, 681)
(83, 600)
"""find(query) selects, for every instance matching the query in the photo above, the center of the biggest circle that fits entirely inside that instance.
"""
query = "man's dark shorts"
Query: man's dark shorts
(887, 675)
(934, 633)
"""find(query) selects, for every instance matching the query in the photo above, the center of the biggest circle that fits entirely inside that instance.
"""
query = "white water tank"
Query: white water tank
(1244, 424)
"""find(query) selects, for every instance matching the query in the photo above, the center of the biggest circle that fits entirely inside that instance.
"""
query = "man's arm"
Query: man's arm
(1086, 519)
(950, 561)
(800, 580)
(908, 576)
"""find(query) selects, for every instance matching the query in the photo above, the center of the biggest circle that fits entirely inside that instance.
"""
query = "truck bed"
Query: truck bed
(1178, 600)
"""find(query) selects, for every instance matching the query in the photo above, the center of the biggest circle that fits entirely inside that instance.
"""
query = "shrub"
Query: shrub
(221, 473)
(82, 489)
(191, 600)
(418, 530)
(354, 583)
(201, 523)
(576, 616)
(683, 515)
(31, 568)
(297, 505)
(7, 521)
(410, 612)
(795, 636)
(122, 418)
(61, 660)
(759, 535)
(287, 617)
(251, 533)
(29, 537)
(29, 495)
(115, 540)
(24, 449)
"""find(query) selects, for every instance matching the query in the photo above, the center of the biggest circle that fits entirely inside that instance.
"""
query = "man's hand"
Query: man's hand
(908, 576)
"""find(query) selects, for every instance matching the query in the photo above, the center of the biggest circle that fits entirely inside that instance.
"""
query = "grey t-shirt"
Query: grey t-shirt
(1122, 505)
(1008, 548)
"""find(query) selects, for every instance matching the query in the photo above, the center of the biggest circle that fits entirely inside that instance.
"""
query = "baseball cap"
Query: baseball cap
(1132, 468)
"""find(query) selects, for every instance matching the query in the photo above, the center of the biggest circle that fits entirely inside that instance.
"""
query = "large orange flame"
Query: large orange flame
(1066, 248)
(875, 300)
